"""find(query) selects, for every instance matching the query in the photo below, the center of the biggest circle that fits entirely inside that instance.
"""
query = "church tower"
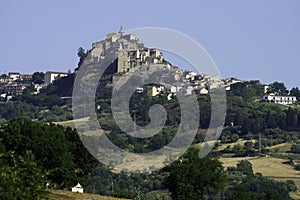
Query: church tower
(121, 31)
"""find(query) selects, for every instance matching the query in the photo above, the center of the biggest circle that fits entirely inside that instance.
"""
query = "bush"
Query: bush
(295, 148)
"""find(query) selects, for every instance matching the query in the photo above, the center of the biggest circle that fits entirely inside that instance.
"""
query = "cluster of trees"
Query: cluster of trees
(33, 154)
(206, 178)
(21, 177)
(250, 90)
(256, 117)
(247, 185)
(38, 77)
(125, 185)
(15, 109)
(247, 90)
(295, 92)
(193, 178)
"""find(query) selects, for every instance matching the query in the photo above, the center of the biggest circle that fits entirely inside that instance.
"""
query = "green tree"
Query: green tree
(82, 55)
(295, 92)
(191, 177)
(38, 77)
(295, 148)
(245, 167)
(21, 177)
(277, 88)
(56, 149)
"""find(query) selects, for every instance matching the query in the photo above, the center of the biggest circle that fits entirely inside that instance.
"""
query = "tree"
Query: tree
(38, 77)
(295, 148)
(191, 177)
(295, 92)
(277, 88)
(82, 55)
(56, 149)
(291, 117)
(21, 177)
(245, 167)
(3, 75)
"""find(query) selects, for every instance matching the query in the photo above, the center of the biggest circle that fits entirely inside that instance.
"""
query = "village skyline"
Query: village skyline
(257, 40)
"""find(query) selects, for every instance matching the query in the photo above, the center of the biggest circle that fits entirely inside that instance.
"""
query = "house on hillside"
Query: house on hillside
(284, 100)
(14, 75)
(78, 188)
(15, 89)
(25, 76)
(51, 76)
(6, 79)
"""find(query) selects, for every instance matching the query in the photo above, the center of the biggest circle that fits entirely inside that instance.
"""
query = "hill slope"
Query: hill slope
(67, 195)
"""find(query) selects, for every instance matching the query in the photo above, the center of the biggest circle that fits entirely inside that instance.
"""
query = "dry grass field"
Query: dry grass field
(71, 123)
(283, 148)
(239, 142)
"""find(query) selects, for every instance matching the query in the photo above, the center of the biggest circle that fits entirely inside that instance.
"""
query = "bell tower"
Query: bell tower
(121, 31)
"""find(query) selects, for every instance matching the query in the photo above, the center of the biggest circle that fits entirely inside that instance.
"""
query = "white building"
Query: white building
(51, 76)
(78, 188)
(203, 91)
(285, 100)
(38, 87)
(3, 95)
(14, 75)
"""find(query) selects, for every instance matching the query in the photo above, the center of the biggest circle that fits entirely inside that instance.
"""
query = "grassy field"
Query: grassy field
(281, 148)
(67, 195)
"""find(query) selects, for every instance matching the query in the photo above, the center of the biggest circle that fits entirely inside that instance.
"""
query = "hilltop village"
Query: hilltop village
(130, 53)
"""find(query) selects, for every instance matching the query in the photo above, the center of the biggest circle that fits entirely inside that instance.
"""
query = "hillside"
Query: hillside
(67, 195)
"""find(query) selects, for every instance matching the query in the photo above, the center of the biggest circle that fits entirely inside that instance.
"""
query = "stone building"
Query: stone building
(127, 50)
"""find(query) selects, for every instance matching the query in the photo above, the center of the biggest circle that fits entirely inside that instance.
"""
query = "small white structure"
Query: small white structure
(78, 188)
(285, 100)
(51, 76)
(173, 89)
(3, 95)
(203, 91)
(38, 87)
(139, 90)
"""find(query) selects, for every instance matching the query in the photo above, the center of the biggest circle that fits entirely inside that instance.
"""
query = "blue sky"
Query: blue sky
(246, 39)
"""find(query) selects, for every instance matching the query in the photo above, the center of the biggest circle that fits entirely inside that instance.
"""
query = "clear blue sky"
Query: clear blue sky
(247, 39)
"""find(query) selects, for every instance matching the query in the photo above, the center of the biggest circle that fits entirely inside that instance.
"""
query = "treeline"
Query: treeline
(15, 109)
